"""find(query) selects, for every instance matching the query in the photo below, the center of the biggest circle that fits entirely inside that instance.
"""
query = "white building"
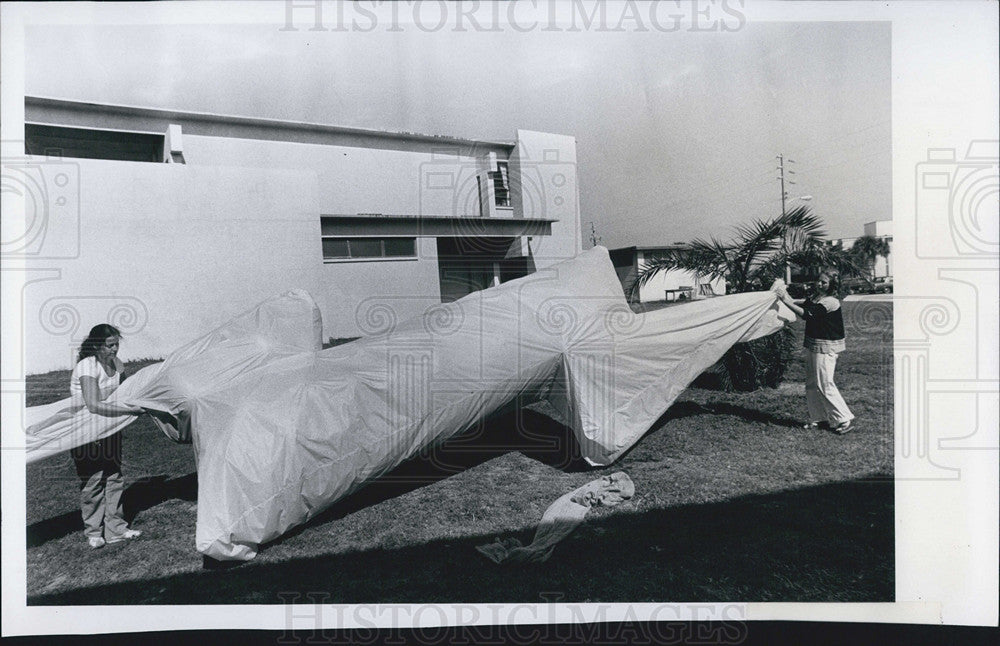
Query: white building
(166, 223)
(675, 284)
(878, 229)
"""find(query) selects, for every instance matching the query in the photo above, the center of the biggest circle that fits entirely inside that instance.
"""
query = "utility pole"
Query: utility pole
(594, 238)
(784, 197)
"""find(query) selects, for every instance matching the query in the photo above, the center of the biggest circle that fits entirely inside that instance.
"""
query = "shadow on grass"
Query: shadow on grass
(148, 492)
(513, 429)
(52, 528)
(831, 542)
(139, 496)
(689, 409)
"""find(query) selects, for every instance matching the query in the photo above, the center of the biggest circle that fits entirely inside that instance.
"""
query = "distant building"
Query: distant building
(674, 284)
(168, 222)
(878, 229)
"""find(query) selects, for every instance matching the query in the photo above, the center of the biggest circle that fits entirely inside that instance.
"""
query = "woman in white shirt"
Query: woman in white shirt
(96, 376)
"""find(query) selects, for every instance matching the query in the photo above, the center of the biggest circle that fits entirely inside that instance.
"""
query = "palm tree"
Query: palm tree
(751, 262)
(866, 249)
(753, 259)
(814, 258)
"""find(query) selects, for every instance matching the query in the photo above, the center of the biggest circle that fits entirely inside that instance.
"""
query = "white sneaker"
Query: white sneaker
(126, 535)
(95, 542)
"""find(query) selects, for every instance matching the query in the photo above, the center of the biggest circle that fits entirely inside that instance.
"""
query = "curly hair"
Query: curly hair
(98, 335)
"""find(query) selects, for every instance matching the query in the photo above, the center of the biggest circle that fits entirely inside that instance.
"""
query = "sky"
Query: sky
(677, 133)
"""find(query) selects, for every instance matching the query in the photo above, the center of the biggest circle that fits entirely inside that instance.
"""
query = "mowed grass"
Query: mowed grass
(734, 501)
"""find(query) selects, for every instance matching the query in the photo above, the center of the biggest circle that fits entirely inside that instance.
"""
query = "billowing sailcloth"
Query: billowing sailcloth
(282, 429)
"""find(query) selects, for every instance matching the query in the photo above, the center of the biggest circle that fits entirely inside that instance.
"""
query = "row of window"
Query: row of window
(367, 248)
(90, 143)
(489, 250)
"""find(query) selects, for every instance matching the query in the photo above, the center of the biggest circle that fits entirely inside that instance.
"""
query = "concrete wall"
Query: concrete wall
(358, 180)
(438, 181)
(166, 252)
(543, 179)
(883, 266)
(369, 297)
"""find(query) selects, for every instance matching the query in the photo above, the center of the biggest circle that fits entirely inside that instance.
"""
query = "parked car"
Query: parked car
(882, 285)
(857, 286)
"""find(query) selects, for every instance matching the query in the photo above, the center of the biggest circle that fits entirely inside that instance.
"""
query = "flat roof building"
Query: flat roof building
(167, 222)
(674, 284)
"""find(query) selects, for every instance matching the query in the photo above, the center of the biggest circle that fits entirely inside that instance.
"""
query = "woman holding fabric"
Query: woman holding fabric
(96, 376)
(824, 340)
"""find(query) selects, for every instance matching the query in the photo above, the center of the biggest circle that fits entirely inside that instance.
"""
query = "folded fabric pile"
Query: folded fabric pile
(560, 519)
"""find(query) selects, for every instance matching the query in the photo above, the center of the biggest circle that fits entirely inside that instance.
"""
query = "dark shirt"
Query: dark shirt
(821, 323)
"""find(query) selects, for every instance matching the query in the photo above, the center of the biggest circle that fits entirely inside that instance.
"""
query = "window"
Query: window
(85, 143)
(399, 247)
(368, 248)
(500, 184)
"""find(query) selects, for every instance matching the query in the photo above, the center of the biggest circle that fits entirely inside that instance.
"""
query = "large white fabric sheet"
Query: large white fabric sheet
(288, 324)
(282, 429)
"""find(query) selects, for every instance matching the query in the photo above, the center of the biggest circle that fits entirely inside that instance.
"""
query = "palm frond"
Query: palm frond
(706, 258)
(823, 257)
(801, 218)
(655, 265)
(650, 268)
(753, 253)
(710, 258)
(756, 255)
(766, 272)
(757, 230)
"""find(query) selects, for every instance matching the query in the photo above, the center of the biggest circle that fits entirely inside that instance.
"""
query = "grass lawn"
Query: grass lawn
(734, 502)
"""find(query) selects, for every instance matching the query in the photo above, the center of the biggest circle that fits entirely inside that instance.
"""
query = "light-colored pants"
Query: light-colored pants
(822, 396)
(99, 465)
